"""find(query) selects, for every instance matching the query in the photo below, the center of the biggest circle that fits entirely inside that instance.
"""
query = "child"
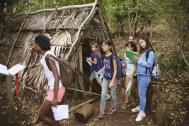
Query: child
(109, 80)
(96, 65)
(130, 69)
(143, 72)
(56, 89)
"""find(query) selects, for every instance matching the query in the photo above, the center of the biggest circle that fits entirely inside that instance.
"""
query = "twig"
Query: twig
(58, 9)
(15, 40)
(93, 11)
(80, 105)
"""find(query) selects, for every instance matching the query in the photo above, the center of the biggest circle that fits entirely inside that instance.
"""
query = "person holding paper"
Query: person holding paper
(96, 65)
(56, 89)
(130, 69)
(144, 66)
(109, 80)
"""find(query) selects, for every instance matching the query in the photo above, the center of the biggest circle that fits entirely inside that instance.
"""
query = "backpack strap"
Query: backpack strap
(47, 61)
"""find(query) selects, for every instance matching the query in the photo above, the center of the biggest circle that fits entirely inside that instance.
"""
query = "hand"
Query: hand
(136, 58)
(111, 84)
(55, 101)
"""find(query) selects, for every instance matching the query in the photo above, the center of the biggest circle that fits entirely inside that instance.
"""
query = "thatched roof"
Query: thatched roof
(52, 20)
(67, 26)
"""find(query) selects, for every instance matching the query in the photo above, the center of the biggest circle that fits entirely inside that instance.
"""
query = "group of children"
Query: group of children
(140, 67)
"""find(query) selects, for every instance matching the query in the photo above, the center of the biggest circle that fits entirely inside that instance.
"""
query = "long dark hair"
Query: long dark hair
(145, 37)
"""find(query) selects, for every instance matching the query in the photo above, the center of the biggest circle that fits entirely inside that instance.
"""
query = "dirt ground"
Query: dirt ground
(172, 109)
(22, 113)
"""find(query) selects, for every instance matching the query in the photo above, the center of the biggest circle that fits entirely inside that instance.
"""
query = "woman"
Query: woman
(56, 89)
(143, 72)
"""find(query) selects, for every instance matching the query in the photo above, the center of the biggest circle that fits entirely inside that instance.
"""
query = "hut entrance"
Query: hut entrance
(86, 52)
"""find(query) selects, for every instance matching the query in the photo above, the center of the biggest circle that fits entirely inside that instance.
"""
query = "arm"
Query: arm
(149, 62)
(94, 61)
(57, 78)
(115, 70)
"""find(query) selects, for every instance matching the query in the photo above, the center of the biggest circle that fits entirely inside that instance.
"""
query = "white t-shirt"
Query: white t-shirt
(48, 73)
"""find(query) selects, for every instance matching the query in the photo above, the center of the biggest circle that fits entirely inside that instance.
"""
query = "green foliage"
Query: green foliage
(175, 63)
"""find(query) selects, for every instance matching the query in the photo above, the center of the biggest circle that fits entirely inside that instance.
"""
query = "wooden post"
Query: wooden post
(85, 112)
(8, 84)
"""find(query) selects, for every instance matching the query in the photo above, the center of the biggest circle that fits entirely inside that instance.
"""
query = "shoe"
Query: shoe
(141, 115)
(136, 109)
(107, 97)
(111, 110)
(101, 115)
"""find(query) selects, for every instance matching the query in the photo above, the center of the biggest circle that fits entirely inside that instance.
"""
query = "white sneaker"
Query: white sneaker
(141, 115)
(136, 109)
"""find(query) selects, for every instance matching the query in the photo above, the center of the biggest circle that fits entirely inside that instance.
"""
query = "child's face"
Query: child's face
(94, 48)
(142, 43)
(105, 47)
(129, 48)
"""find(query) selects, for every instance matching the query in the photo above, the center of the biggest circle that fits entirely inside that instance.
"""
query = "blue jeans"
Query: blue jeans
(104, 93)
(143, 84)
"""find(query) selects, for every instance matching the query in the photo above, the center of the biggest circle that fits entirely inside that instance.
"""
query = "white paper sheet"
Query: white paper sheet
(128, 86)
(100, 73)
(87, 60)
(17, 68)
(60, 112)
(4, 70)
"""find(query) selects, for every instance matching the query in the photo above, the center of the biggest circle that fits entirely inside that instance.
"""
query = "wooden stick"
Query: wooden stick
(92, 13)
(80, 105)
(15, 40)
(73, 89)
(31, 89)
(61, 8)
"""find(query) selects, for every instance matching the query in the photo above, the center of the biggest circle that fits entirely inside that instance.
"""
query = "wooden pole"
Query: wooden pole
(85, 112)
(58, 9)
(15, 40)
(92, 13)
(90, 93)
(8, 85)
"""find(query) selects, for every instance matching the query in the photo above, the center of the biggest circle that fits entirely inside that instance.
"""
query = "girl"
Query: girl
(56, 89)
(109, 80)
(95, 60)
(144, 66)
(129, 71)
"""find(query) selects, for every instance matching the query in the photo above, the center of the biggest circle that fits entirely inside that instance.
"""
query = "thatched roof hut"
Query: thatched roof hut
(72, 28)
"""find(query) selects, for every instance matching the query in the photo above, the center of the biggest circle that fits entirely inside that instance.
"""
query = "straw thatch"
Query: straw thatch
(69, 27)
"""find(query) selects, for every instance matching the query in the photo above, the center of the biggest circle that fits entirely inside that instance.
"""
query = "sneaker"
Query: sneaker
(111, 111)
(141, 115)
(136, 109)
(101, 115)
(107, 97)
